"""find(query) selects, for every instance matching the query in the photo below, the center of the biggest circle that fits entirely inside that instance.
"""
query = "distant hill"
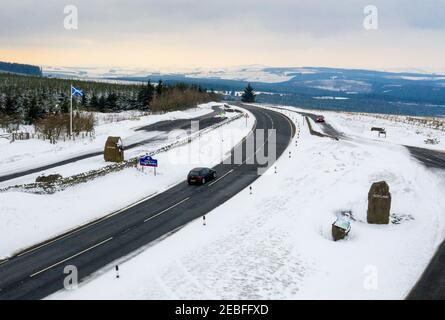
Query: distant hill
(20, 68)
(407, 93)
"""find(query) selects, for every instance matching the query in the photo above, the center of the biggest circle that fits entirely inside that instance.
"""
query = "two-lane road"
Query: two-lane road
(38, 273)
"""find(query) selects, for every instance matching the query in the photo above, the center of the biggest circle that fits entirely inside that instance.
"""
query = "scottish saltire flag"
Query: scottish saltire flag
(76, 92)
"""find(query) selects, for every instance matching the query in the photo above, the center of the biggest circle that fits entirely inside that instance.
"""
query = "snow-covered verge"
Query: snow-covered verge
(276, 243)
(401, 130)
(22, 155)
(39, 217)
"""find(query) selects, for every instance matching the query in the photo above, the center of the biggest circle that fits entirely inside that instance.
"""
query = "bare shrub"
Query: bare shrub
(9, 123)
(52, 126)
(83, 122)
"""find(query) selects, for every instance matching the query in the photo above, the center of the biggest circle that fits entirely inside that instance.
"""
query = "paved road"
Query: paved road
(165, 126)
(432, 283)
(326, 127)
(430, 158)
(39, 273)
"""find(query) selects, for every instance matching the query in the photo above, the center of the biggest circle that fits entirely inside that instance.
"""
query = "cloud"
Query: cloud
(272, 26)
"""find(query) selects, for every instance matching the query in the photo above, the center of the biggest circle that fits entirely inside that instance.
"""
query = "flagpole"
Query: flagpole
(71, 111)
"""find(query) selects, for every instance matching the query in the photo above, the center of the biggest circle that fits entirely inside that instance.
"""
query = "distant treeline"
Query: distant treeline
(26, 99)
(20, 68)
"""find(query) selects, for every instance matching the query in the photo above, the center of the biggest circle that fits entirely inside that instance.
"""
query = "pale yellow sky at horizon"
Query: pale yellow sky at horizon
(199, 34)
(180, 59)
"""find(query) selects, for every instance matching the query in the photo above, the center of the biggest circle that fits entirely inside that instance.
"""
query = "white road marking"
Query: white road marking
(4, 261)
(76, 230)
(169, 208)
(221, 177)
(265, 141)
(69, 233)
(73, 256)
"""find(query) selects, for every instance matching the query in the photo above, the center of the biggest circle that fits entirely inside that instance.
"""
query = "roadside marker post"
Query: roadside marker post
(250, 188)
(204, 220)
(117, 272)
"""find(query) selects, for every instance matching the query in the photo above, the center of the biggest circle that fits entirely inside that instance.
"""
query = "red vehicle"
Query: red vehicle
(319, 119)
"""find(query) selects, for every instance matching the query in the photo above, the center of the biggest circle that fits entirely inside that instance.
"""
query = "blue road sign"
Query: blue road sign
(148, 161)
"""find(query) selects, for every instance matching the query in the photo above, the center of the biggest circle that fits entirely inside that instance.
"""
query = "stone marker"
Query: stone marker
(340, 229)
(49, 179)
(114, 150)
(379, 203)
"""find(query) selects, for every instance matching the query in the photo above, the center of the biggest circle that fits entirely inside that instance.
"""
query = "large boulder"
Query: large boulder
(379, 203)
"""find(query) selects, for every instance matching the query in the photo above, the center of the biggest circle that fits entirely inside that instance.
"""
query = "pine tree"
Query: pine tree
(10, 106)
(248, 95)
(64, 104)
(84, 101)
(159, 88)
(111, 101)
(145, 95)
(94, 103)
(102, 104)
(33, 111)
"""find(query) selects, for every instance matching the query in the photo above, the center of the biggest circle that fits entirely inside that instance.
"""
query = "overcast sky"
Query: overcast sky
(214, 33)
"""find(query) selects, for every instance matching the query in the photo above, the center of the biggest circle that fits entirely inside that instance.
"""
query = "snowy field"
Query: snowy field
(39, 217)
(22, 155)
(398, 132)
(276, 243)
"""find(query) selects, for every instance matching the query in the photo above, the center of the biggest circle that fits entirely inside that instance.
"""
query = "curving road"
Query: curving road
(430, 158)
(164, 126)
(328, 130)
(39, 272)
(431, 285)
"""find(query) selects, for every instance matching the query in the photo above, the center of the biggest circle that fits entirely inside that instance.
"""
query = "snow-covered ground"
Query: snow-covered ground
(276, 243)
(39, 217)
(251, 73)
(358, 126)
(398, 132)
(22, 155)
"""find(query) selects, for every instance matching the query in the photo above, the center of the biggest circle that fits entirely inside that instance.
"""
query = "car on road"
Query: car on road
(319, 119)
(201, 176)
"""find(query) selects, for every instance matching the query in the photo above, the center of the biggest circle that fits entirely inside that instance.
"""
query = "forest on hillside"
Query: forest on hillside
(28, 99)
(20, 68)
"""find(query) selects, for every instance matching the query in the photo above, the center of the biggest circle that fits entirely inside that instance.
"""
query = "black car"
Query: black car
(201, 175)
